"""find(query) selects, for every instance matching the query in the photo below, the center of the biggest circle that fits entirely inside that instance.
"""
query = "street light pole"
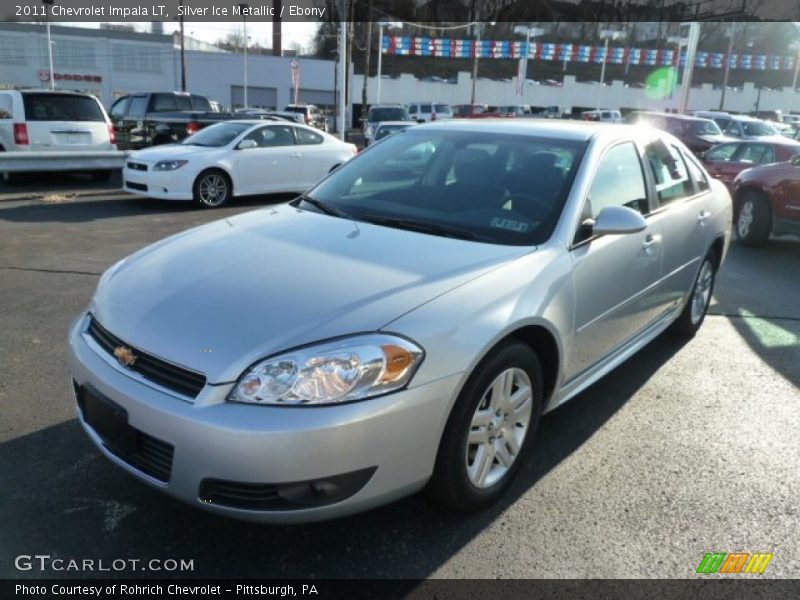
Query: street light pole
(607, 35)
(691, 53)
(380, 62)
(183, 54)
(49, 42)
(727, 66)
(477, 35)
(530, 32)
(342, 75)
(244, 6)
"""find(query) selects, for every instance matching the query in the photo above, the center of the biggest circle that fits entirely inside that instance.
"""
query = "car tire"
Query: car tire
(753, 219)
(101, 175)
(212, 188)
(9, 178)
(470, 473)
(696, 308)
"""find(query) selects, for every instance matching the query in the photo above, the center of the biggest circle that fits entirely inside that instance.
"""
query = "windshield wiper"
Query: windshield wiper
(421, 226)
(328, 209)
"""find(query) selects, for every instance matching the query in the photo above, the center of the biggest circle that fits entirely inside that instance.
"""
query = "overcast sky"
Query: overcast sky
(258, 31)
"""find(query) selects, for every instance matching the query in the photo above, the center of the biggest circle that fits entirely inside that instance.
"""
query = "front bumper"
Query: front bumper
(162, 185)
(393, 438)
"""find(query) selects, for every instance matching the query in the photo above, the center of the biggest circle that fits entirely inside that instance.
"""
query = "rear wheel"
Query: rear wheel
(212, 188)
(694, 313)
(490, 429)
(753, 219)
(9, 178)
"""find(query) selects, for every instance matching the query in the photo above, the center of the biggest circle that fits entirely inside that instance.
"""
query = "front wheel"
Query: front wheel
(753, 220)
(490, 429)
(694, 313)
(212, 188)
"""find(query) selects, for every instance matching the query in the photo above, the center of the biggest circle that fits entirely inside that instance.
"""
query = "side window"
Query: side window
(413, 109)
(425, 109)
(117, 111)
(272, 136)
(199, 103)
(696, 173)
(183, 102)
(669, 171)
(164, 103)
(733, 129)
(5, 106)
(138, 107)
(752, 153)
(724, 152)
(306, 137)
(619, 181)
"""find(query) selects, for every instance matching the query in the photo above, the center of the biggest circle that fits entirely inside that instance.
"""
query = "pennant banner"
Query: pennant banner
(445, 47)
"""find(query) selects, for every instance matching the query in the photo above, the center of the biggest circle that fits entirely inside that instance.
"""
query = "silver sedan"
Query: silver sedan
(404, 324)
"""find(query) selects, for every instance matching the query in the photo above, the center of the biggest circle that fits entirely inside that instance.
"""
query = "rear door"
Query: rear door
(682, 201)
(274, 165)
(65, 122)
(130, 129)
(615, 276)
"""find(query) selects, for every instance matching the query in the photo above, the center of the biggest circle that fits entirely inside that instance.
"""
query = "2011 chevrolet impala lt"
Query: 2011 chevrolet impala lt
(402, 325)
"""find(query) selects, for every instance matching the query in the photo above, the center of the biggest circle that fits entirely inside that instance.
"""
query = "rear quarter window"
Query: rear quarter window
(61, 107)
(5, 106)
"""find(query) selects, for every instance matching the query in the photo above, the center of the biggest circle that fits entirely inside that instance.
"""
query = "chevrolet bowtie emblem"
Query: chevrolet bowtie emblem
(125, 356)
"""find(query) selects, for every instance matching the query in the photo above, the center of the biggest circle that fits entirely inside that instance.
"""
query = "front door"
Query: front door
(273, 166)
(615, 276)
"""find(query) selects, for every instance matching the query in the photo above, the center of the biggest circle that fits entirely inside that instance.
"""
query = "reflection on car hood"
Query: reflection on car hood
(221, 296)
(170, 152)
(717, 138)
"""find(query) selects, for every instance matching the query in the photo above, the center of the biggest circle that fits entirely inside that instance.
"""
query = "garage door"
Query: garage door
(318, 97)
(257, 97)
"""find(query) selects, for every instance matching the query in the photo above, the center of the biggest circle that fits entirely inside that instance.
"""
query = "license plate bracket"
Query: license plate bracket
(108, 419)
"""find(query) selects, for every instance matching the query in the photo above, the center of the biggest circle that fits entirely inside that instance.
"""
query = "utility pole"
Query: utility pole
(342, 69)
(691, 53)
(183, 52)
(277, 35)
(366, 62)
(49, 42)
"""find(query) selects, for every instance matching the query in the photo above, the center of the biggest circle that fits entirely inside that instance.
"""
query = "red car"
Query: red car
(726, 161)
(767, 200)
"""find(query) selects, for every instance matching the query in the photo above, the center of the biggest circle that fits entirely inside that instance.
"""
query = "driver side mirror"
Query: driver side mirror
(796, 160)
(246, 145)
(616, 220)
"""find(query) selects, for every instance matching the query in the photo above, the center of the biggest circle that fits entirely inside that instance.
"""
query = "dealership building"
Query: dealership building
(110, 64)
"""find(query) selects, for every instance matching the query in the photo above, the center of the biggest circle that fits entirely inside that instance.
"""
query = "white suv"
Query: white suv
(429, 111)
(44, 120)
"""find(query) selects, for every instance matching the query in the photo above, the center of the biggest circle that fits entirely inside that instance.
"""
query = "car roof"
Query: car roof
(46, 91)
(672, 116)
(568, 130)
(745, 118)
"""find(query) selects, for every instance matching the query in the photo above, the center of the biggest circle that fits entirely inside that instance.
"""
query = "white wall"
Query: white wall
(406, 89)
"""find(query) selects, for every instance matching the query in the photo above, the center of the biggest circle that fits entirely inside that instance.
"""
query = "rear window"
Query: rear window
(296, 109)
(377, 115)
(61, 107)
(443, 108)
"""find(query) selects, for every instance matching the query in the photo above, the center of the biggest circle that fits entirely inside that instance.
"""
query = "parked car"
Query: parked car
(44, 120)
(726, 161)
(155, 118)
(429, 111)
(399, 325)
(698, 134)
(793, 120)
(262, 113)
(605, 116)
(767, 201)
(236, 158)
(380, 113)
(749, 128)
(511, 110)
(387, 128)
(470, 111)
(768, 115)
(312, 115)
(720, 117)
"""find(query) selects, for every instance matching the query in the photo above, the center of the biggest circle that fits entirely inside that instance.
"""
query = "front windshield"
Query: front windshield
(490, 187)
(704, 128)
(758, 128)
(218, 135)
(387, 114)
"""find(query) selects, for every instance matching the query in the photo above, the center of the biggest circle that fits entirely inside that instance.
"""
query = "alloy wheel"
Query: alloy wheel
(702, 291)
(745, 220)
(213, 190)
(499, 427)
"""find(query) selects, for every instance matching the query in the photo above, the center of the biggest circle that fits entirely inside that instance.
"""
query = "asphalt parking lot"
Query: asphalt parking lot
(686, 449)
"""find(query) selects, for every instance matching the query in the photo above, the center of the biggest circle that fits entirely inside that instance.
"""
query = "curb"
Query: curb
(72, 195)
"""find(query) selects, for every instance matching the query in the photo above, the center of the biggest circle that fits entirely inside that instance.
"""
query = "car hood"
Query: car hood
(219, 297)
(171, 152)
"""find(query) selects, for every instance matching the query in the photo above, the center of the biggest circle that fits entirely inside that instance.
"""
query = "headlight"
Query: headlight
(169, 165)
(341, 371)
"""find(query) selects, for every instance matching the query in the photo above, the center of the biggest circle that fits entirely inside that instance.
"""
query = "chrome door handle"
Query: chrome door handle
(295, 154)
(702, 217)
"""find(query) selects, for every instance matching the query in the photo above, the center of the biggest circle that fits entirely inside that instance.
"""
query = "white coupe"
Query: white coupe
(235, 158)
